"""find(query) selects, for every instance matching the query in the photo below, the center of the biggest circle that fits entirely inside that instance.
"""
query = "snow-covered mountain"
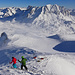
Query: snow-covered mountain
(51, 18)
(45, 36)
(31, 11)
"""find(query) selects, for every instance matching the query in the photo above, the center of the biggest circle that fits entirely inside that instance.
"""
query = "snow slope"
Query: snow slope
(29, 42)
(48, 35)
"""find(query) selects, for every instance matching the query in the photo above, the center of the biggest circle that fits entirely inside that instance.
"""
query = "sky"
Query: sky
(26, 3)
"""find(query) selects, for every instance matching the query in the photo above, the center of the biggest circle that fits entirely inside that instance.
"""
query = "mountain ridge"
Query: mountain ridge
(31, 9)
(51, 18)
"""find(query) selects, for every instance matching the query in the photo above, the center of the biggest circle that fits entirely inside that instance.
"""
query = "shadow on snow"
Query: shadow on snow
(57, 37)
(66, 46)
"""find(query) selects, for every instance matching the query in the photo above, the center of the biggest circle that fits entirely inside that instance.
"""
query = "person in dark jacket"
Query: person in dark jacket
(23, 61)
(14, 62)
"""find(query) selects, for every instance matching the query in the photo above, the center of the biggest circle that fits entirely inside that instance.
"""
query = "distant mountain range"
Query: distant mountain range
(50, 17)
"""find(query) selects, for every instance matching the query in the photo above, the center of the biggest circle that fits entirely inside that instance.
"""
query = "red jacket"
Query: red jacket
(13, 60)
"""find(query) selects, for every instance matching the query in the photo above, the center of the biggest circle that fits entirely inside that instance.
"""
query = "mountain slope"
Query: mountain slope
(49, 18)
(33, 12)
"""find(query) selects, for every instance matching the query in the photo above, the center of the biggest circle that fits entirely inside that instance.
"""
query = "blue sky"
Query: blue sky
(25, 3)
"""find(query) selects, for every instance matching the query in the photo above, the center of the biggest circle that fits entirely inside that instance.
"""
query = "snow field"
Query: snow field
(53, 64)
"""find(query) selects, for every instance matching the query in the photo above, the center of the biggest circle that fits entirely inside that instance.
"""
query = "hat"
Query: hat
(22, 57)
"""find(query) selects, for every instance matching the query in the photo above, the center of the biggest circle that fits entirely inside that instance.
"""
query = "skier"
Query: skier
(14, 62)
(23, 61)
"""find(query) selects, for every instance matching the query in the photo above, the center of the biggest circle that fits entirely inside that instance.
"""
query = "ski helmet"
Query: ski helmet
(22, 57)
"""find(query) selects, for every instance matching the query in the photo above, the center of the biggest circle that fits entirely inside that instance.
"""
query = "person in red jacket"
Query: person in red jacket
(14, 62)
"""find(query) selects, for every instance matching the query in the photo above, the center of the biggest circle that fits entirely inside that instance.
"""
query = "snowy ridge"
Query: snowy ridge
(31, 11)
(49, 18)
(5, 12)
